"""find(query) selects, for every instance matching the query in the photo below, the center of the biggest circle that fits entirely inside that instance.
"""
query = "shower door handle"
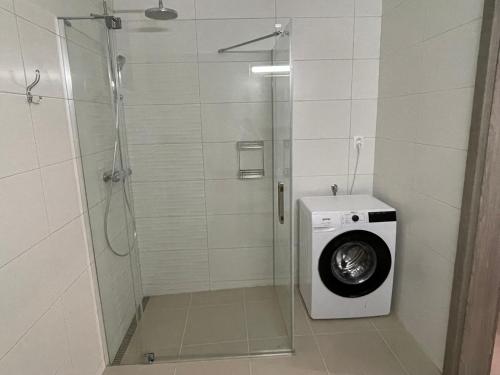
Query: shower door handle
(281, 202)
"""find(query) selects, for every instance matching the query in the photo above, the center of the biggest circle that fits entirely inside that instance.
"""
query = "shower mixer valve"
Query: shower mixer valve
(116, 176)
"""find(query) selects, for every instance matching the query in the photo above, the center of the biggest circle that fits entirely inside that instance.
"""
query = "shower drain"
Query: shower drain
(149, 358)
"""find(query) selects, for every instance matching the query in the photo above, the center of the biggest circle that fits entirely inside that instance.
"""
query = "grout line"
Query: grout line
(245, 316)
(185, 324)
(392, 351)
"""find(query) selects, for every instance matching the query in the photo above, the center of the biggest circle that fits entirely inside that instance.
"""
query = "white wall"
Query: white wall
(427, 71)
(49, 321)
(187, 107)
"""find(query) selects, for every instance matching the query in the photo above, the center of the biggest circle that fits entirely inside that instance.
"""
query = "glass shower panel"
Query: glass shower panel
(93, 109)
(282, 179)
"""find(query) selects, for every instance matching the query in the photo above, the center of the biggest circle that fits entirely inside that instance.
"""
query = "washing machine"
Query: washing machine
(347, 248)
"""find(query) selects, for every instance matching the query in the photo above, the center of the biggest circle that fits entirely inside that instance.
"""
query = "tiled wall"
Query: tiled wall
(48, 312)
(199, 227)
(427, 71)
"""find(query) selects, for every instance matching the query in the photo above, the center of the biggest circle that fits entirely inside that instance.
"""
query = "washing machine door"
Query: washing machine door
(355, 263)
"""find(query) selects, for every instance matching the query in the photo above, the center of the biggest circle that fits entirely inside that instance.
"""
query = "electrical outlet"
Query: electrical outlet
(359, 141)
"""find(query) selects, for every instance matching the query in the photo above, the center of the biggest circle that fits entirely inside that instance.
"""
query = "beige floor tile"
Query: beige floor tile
(320, 327)
(264, 319)
(161, 328)
(358, 354)
(233, 348)
(156, 369)
(168, 301)
(414, 360)
(218, 297)
(302, 327)
(213, 324)
(225, 367)
(270, 345)
(387, 322)
(306, 361)
(260, 293)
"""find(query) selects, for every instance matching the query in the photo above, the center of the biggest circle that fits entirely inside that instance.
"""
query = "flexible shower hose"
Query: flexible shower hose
(111, 182)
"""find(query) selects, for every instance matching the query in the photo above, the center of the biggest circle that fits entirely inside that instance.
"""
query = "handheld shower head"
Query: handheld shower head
(120, 62)
(161, 13)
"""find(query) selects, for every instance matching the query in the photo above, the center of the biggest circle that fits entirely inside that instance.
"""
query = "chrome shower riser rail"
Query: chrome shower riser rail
(112, 22)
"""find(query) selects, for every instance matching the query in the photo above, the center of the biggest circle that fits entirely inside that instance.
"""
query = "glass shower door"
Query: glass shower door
(282, 178)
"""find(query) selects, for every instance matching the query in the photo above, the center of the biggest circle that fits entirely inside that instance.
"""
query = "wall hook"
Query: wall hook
(32, 99)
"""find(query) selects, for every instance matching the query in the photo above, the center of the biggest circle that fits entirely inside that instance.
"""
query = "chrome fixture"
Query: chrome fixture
(335, 189)
(276, 33)
(120, 63)
(245, 158)
(161, 13)
(112, 22)
(31, 99)
(116, 176)
(149, 358)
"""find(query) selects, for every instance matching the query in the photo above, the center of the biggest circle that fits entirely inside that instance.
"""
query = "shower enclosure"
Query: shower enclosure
(186, 159)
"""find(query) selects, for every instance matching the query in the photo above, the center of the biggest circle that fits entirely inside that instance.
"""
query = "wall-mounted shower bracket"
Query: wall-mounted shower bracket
(29, 96)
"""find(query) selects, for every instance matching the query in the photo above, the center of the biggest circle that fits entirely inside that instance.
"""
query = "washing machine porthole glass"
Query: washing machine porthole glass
(355, 263)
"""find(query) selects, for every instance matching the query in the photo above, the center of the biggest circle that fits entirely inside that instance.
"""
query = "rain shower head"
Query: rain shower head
(161, 13)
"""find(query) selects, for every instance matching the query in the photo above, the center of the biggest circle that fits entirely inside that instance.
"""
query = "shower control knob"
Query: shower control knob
(355, 218)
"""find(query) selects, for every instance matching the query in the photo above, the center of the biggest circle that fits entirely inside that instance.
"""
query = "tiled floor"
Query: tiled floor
(207, 324)
(378, 346)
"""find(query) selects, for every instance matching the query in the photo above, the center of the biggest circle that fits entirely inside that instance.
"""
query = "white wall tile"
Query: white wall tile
(17, 143)
(172, 233)
(446, 63)
(146, 83)
(216, 34)
(165, 272)
(42, 351)
(241, 264)
(363, 184)
(401, 115)
(22, 202)
(236, 121)
(365, 79)
(172, 198)
(364, 118)
(83, 330)
(11, 64)
(314, 8)
(366, 156)
(150, 124)
(234, 9)
(62, 195)
(442, 170)
(232, 231)
(321, 119)
(173, 41)
(232, 82)
(367, 38)
(322, 80)
(52, 131)
(239, 196)
(325, 157)
(322, 38)
(439, 18)
(6, 4)
(32, 282)
(41, 51)
(446, 118)
(165, 162)
(368, 7)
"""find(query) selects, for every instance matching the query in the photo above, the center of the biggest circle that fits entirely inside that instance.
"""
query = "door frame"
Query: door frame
(475, 296)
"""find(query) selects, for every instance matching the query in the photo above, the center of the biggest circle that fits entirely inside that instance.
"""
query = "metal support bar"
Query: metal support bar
(276, 33)
(112, 22)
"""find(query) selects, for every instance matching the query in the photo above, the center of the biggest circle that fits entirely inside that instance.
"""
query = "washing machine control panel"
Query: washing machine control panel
(354, 218)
